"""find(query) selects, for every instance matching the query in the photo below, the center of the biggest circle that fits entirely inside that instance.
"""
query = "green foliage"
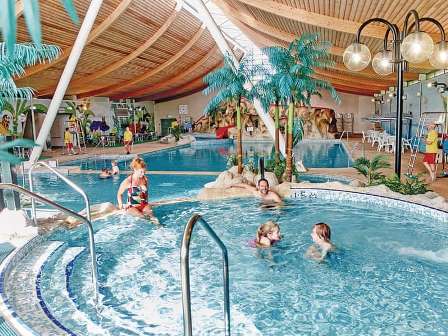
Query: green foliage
(4, 147)
(297, 133)
(231, 160)
(279, 168)
(176, 132)
(32, 18)
(20, 107)
(228, 83)
(294, 68)
(411, 185)
(70, 108)
(251, 166)
(371, 168)
(13, 64)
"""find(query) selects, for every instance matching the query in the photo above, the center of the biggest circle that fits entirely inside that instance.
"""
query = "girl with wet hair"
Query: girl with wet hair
(267, 235)
(321, 235)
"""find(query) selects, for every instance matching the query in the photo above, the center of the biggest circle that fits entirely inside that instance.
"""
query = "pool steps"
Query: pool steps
(21, 290)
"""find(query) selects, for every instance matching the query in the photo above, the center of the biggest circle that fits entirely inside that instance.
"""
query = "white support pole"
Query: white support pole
(225, 49)
(66, 76)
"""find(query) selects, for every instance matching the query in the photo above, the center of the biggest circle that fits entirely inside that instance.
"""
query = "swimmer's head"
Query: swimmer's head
(263, 185)
(114, 163)
(321, 231)
(270, 230)
(138, 166)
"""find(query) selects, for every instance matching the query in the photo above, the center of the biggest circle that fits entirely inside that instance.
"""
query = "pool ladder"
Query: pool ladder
(34, 196)
(185, 273)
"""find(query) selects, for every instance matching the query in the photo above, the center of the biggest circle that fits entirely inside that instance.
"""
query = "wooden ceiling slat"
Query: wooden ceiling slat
(119, 86)
(94, 34)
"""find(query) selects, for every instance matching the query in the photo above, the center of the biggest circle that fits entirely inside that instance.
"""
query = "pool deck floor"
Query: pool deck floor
(354, 145)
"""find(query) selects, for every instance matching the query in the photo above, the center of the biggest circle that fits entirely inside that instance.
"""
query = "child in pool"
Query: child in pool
(104, 174)
(267, 235)
(321, 235)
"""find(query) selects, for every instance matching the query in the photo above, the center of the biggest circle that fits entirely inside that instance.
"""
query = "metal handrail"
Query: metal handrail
(63, 178)
(185, 273)
(46, 201)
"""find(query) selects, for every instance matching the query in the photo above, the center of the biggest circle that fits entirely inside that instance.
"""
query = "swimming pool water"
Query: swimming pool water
(105, 190)
(213, 157)
(381, 281)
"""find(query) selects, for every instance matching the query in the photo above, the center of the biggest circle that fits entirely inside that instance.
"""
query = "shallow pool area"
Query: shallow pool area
(380, 281)
(211, 155)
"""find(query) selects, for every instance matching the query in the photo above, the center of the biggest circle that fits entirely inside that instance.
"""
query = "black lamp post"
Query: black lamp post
(407, 46)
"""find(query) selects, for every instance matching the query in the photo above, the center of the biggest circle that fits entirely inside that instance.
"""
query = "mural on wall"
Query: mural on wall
(318, 122)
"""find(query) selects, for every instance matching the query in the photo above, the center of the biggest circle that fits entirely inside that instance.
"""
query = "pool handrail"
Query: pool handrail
(14, 187)
(185, 273)
(72, 184)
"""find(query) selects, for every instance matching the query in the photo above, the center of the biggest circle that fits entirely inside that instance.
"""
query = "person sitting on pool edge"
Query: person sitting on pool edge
(136, 186)
(321, 235)
(262, 190)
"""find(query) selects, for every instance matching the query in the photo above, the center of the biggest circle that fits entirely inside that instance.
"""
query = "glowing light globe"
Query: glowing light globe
(356, 56)
(439, 57)
(417, 47)
(382, 63)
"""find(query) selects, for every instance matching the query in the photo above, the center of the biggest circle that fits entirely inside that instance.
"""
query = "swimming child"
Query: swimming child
(321, 235)
(115, 169)
(267, 235)
(136, 186)
(105, 174)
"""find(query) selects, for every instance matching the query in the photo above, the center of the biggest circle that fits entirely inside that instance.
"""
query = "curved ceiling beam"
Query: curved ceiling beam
(345, 82)
(93, 35)
(319, 20)
(180, 95)
(151, 89)
(84, 84)
(122, 85)
(355, 91)
(256, 26)
(257, 30)
(19, 8)
(198, 81)
(374, 82)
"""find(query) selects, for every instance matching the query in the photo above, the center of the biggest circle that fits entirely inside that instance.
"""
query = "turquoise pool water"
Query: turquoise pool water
(105, 190)
(381, 280)
(213, 157)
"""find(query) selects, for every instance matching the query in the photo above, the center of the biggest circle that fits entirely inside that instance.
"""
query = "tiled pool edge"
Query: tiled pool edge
(363, 197)
(6, 266)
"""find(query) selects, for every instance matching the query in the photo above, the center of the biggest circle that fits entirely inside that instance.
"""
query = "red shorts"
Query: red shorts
(430, 158)
(140, 206)
(69, 146)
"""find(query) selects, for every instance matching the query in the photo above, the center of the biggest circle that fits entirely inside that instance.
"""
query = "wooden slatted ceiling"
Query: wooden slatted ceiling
(266, 25)
(135, 25)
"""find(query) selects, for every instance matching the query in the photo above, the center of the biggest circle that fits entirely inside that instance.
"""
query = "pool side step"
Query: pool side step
(20, 288)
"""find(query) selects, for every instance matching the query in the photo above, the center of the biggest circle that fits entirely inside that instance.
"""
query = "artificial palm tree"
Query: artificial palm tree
(21, 107)
(24, 55)
(228, 83)
(293, 72)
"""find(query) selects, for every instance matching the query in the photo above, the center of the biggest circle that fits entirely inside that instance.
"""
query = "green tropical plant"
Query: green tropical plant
(5, 147)
(14, 64)
(70, 108)
(251, 166)
(294, 68)
(297, 131)
(411, 185)
(279, 168)
(370, 169)
(231, 160)
(21, 107)
(85, 119)
(228, 84)
(8, 20)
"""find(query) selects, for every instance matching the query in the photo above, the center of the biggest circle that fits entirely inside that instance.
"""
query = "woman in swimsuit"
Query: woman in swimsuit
(136, 186)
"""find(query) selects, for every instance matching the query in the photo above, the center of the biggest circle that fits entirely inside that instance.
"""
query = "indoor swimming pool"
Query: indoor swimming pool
(202, 156)
(380, 281)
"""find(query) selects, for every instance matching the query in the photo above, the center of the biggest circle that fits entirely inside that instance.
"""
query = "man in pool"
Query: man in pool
(262, 191)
